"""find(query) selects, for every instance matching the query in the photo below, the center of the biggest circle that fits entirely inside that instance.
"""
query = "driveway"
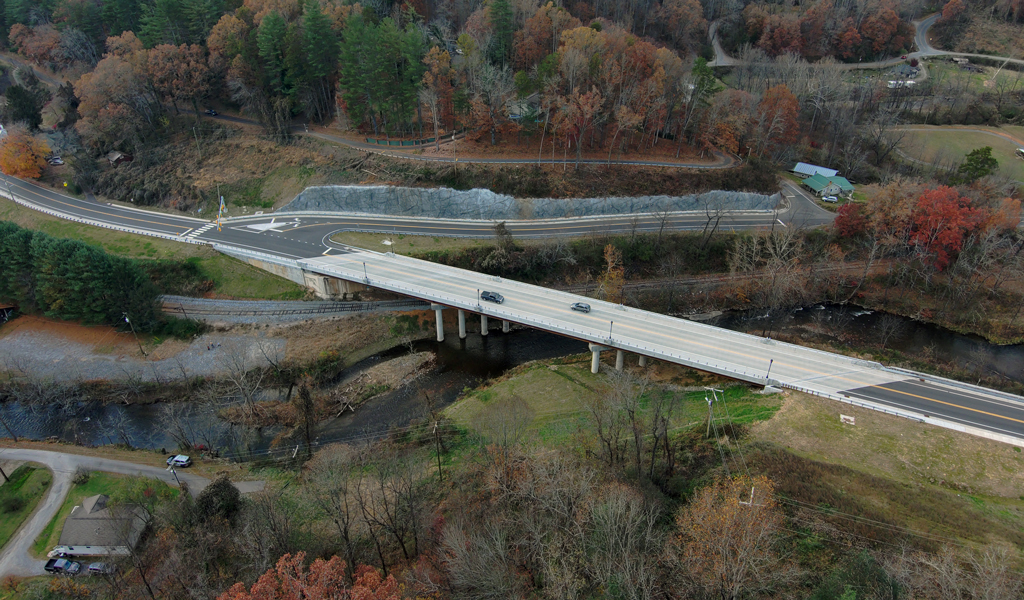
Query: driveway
(15, 558)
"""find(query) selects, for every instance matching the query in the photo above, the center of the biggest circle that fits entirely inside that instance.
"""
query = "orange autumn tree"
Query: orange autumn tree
(21, 155)
(323, 580)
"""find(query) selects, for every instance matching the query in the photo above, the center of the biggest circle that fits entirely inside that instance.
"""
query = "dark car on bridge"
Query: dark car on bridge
(492, 297)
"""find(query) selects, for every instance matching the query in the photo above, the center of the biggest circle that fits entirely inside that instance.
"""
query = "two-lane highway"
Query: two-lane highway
(741, 356)
(299, 235)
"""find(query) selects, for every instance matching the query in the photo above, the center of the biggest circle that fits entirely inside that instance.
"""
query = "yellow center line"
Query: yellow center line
(29, 191)
(882, 387)
(780, 363)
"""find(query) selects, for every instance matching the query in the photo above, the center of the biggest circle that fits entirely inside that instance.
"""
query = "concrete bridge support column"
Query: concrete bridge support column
(643, 360)
(483, 324)
(440, 321)
(462, 324)
(595, 362)
(620, 359)
(504, 326)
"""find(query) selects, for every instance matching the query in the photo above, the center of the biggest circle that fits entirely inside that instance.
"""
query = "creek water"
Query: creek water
(458, 364)
(462, 364)
(859, 327)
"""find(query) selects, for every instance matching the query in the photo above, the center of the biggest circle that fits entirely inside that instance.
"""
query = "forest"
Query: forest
(595, 76)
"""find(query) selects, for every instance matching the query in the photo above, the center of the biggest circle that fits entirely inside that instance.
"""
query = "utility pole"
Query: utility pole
(196, 135)
(437, 449)
(126, 320)
(711, 400)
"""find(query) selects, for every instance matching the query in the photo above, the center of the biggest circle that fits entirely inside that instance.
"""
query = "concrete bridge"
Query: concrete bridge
(628, 331)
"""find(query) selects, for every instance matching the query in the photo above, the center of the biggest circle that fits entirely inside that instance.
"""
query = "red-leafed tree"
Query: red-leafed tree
(942, 218)
(776, 120)
(848, 41)
(323, 580)
(781, 36)
(952, 11)
(851, 221)
(579, 113)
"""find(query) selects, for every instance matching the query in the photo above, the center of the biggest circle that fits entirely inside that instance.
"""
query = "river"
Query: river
(464, 364)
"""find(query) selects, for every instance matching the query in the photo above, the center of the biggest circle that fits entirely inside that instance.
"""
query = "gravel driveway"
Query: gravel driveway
(15, 558)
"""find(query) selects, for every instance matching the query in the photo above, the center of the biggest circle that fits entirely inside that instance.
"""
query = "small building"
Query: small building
(828, 186)
(809, 170)
(93, 528)
(115, 158)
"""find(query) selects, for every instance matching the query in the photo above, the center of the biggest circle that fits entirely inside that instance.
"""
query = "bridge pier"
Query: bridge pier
(483, 325)
(437, 308)
(620, 360)
(595, 361)
(643, 361)
(504, 326)
(462, 324)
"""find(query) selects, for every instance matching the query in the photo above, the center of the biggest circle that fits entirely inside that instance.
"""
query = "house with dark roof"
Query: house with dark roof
(93, 528)
(828, 186)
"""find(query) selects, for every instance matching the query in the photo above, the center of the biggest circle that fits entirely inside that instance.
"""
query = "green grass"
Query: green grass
(98, 483)
(949, 146)
(557, 394)
(237, 279)
(29, 485)
(231, 277)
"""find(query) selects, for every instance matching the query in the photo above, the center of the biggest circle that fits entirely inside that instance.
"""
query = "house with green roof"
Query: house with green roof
(828, 186)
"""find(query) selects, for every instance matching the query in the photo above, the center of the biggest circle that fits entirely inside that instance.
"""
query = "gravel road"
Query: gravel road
(15, 558)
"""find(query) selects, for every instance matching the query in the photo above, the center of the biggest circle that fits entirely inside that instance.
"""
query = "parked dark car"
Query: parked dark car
(211, 112)
(492, 297)
(62, 565)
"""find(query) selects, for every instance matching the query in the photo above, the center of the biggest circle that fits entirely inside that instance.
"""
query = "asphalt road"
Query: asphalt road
(15, 558)
(924, 49)
(991, 413)
(299, 235)
(741, 356)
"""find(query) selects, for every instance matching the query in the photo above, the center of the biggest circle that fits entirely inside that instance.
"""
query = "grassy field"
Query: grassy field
(98, 483)
(558, 393)
(950, 145)
(896, 470)
(231, 277)
(19, 497)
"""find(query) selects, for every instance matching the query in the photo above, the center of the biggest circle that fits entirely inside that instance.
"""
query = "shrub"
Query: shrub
(81, 476)
(12, 504)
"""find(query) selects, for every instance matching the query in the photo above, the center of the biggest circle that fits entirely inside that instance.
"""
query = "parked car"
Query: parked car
(62, 565)
(179, 460)
(580, 306)
(56, 160)
(832, 199)
(492, 297)
(211, 112)
(101, 568)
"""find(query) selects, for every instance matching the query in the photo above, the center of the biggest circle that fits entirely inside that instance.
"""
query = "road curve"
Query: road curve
(15, 558)
(924, 49)
(300, 235)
